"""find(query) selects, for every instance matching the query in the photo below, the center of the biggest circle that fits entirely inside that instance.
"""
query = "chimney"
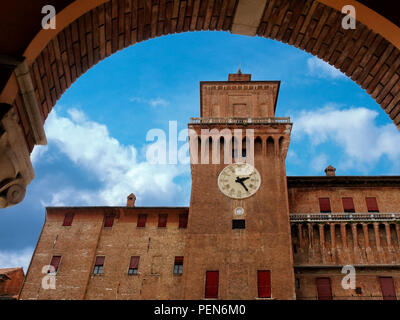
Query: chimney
(330, 171)
(239, 76)
(130, 202)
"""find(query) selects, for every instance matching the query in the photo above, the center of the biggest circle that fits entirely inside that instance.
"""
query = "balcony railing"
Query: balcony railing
(326, 217)
(245, 121)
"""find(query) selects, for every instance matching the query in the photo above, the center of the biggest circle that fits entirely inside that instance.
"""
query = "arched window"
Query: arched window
(270, 147)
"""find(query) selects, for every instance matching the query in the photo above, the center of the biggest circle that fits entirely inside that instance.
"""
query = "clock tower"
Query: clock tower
(238, 241)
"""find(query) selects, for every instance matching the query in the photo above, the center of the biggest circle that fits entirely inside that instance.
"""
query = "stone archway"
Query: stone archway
(94, 29)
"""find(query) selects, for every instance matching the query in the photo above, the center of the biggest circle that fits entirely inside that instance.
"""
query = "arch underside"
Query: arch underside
(363, 55)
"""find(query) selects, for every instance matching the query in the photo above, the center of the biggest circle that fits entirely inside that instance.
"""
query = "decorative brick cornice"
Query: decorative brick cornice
(344, 217)
(343, 181)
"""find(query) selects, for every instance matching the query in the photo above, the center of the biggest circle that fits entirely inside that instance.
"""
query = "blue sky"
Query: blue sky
(97, 131)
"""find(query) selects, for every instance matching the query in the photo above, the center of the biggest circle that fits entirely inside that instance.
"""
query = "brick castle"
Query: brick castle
(258, 236)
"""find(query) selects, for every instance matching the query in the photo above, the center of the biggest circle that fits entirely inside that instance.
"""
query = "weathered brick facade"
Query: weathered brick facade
(290, 243)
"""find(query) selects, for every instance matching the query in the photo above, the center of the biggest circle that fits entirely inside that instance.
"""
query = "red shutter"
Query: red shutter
(178, 260)
(134, 262)
(387, 287)
(109, 221)
(324, 289)
(141, 222)
(55, 262)
(372, 205)
(348, 204)
(212, 284)
(162, 220)
(264, 283)
(100, 261)
(183, 220)
(324, 205)
(68, 219)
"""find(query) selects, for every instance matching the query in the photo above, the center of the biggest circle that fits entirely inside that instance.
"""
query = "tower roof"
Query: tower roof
(239, 76)
(237, 89)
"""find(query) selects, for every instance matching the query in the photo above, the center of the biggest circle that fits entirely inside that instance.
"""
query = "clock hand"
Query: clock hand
(240, 180)
(244, 186)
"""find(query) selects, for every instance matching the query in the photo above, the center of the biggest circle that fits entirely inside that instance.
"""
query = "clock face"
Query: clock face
(239, 180)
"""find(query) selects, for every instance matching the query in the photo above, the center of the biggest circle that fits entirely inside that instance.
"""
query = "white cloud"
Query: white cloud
(153, 102)
(77, 115)
(355, 130)
(319, 163)
(37, 152)
(159, 102)
(322, 69)
(16, 258)
(88, 144)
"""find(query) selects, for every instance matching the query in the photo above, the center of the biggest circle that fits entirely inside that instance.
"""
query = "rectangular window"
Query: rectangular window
(141, 222)
(178, 265)
(108, 220)
(98, 265)
(324, 289)
(372, 205)
(134, 265)
(387, 287)
(238, 224)
(348, 205)
(325, 205)
(297, 283)
(55, 262)
(183, 220)
(264, 283)
(162, 220)
(68, 218)
(212, 278)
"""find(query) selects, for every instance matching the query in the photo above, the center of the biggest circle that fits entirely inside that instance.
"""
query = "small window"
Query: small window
(264, 283)
(109, 220)
(358, 290)
(372, 205)
(294, 248)
(297, 283)
(387, 287)
(348, 205)
(162, 220)
(325, 205)
(183, 220)
(178, 265)
(68, 218)
(324, 289)
(141, 222)
(212, 280)
(55, 262)
(134, 265)
(238, 224)
(98, 265)
(244, 153)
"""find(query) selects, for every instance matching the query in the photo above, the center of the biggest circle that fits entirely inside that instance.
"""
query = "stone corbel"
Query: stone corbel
(286, 141)
(30, 103)
(16, 170)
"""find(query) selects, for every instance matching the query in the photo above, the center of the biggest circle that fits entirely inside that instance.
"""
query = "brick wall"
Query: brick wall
(86, 238)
